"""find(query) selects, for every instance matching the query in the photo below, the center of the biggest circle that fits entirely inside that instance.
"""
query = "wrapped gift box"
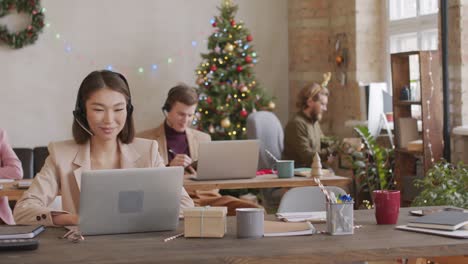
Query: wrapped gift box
(205, 221)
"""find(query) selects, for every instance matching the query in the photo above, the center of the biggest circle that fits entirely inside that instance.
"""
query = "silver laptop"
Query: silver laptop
(130, 200)
(230, 159)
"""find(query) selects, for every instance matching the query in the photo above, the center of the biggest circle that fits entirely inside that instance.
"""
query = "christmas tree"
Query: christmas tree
(226, 80)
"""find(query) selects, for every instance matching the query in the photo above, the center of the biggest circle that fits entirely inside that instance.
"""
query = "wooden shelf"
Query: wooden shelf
(407, 103)
(405, 160)
(406, 151)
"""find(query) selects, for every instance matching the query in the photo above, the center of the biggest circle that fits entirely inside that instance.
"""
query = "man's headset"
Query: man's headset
(80, 114)
(169, 100)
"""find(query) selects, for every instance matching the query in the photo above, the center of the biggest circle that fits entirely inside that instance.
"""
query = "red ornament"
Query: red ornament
(209, 100)
(213, 68)
(244, 113)
(248, 59)
(239, 68)
(249, 38)
(233, 23)
(214, 24)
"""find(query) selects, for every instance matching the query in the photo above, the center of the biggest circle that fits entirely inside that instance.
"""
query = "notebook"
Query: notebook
(315, 217)
(20, 232)
(444, 220)
(275, 228)
(457, 233)
(305, 172)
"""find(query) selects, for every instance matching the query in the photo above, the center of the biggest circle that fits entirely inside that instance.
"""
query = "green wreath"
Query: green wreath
(26, 36)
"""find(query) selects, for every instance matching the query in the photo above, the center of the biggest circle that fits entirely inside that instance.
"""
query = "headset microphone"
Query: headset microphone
(81, 124)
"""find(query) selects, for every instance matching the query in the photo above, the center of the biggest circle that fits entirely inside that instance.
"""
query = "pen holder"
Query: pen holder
(340, 218)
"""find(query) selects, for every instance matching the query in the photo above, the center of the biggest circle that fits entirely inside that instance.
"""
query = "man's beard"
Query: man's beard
(315, 117)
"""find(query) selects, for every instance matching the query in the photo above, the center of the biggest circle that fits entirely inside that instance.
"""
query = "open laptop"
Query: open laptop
(230, 159)
(130, 200)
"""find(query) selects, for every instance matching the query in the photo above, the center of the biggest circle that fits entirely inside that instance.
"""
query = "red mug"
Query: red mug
(387, 206)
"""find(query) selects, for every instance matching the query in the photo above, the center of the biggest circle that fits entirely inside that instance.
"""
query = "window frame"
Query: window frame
(419, 24)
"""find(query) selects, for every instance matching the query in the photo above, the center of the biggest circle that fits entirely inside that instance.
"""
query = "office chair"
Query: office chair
(306, 199)
(266, 127)
(25, 155)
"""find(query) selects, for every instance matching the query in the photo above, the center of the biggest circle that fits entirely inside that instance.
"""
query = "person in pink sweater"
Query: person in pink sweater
(10, 165)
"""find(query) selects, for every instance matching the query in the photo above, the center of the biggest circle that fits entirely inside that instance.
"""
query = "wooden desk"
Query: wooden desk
(13, 193)
(263, 181)
(371, 242)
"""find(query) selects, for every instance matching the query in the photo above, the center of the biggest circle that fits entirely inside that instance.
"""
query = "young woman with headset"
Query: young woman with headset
(103, 133)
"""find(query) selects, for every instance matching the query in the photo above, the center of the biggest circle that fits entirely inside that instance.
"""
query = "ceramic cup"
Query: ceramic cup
(285, 168)
(250, 222)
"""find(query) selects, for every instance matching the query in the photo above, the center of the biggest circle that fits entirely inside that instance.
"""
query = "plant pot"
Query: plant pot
(387, 206)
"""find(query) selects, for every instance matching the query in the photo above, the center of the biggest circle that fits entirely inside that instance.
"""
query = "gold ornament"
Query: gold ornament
(326, 79)
(225, 123)
(271, 105)
(200, 81)
(227, 3)
(229, 47)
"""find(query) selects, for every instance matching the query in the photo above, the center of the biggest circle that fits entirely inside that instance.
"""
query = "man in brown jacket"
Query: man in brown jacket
(178, 144)
(302, 133)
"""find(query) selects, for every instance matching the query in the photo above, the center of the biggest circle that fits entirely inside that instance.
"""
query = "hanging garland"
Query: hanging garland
(28, 35)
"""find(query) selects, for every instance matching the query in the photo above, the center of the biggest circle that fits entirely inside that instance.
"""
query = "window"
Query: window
(411, 25)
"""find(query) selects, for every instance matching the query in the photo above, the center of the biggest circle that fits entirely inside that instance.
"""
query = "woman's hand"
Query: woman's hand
(65, 219)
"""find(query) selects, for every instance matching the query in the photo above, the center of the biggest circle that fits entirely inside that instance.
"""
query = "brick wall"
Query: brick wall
(458, 75)
(314, 28)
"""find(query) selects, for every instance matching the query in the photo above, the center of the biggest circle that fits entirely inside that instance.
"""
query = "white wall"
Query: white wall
(38, 84)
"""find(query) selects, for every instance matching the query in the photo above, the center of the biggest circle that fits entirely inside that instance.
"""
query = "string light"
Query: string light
(428, 103)
(68, 49)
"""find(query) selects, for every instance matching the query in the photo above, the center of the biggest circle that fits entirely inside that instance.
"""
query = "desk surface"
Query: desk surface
(371, 242)
(264, 181)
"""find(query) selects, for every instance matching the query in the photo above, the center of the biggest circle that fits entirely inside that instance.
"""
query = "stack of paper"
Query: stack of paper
(315, 217)
(274, 228)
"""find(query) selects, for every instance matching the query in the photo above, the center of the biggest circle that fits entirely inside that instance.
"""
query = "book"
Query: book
(444, 220)
(276, 228)
(305, 172)
(20, 232)
(407, 131)
(315, 217)
(23, 184)
(415, 145)
(456, 234)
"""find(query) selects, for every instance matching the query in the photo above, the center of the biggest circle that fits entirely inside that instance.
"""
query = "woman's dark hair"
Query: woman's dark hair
(95, 81)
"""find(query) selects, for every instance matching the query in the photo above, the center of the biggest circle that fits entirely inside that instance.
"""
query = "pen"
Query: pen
(173, 152)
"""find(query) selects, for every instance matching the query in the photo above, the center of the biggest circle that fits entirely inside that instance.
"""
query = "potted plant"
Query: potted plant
(373, 172)
(444, 184)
